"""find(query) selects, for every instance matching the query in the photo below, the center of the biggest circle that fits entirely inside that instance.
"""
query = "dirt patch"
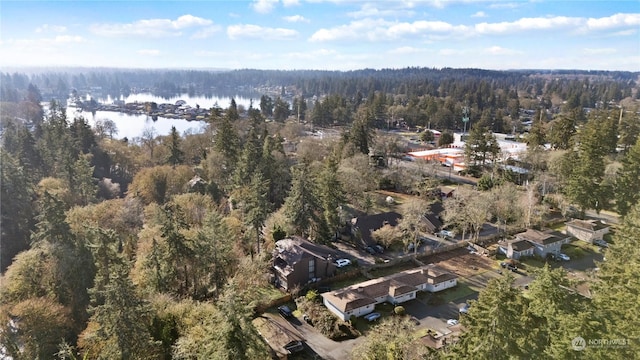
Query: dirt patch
(461, 262)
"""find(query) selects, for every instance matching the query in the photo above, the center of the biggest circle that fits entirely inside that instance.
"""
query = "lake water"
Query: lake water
(131, 126)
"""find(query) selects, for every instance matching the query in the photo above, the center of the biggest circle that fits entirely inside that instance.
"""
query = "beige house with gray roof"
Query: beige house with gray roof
(587, 230)
(360, 299)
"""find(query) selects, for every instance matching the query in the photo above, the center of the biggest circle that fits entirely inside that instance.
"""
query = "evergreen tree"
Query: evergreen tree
(119, 327)
(176, 155)
(585, 184)
(360, 134)
(537, 136)
(616, 292)
(302, 206)
(562, 130)
(281, 110)
(256, 206)
(16, 192)
(493, 324)
(331, 194)
(480, 147)
(627, 187)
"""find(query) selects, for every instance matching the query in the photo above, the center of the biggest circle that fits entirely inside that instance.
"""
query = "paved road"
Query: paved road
(317, 344)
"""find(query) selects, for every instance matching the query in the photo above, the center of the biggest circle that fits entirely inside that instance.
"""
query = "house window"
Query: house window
(312, 269)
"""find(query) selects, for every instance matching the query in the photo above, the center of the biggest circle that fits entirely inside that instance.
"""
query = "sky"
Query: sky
(322, 34)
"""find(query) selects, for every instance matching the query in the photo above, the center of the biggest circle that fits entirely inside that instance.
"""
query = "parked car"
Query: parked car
(373, 316)
(445, 234)
(564, 257)
(452, 322)
(379, 249)
(370, 250)
(306, 318)
(601, 243)
(464, 309)
(343, 262)
(285, 311)
(509, 266)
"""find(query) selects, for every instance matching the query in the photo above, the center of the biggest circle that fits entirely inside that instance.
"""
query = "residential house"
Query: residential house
(432, 220)
(363, 226)
(587, 230)
(515, 249)
(360, 299)
(297, 261)
(544, 242)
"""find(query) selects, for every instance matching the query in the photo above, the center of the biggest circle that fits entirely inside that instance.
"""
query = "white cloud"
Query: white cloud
(525, 24)
(259, 32)
(295, 18)
(628, 32)
(61, 39)
(206, 32)
(381, 30)
(405, 50)
(599, 51)
(479, 14)
(354, 30)
(498, 50)
(614, 21)
(451, 52)
(310, 55)
(264, 6)
(288, 3)
(151, 27)
(505, 5)
(51, 28)
(374, 10)
(148, 52)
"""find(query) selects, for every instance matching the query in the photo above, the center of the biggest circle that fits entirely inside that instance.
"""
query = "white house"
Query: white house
(587, 230)
(360, 299)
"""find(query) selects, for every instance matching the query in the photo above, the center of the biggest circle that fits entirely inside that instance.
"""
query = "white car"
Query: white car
(452, 322)
(564, 257)
(445, 234)
(343, 262)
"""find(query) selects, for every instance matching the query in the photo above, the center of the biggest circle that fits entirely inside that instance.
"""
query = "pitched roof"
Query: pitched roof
(539, 237)
(369, 223)
(291, 250)
(356, 296)
(589, 225)
(520, 245)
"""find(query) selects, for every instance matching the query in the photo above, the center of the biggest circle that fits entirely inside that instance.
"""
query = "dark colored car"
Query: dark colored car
(285, 311)
(378, 248)
(370, 250)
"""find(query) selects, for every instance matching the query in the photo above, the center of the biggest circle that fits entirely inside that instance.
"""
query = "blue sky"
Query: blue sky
(322, 34)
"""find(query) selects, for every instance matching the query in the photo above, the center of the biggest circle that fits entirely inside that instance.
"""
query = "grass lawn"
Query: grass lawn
(269, 293)
(583, 245)
(559, 227)
(347, 282)
(532, 263)
(461, 290)
(392, 270)
(574, 251)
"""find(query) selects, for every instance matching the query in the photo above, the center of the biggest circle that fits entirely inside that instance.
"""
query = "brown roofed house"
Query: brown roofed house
(297, 261)
(360, 299)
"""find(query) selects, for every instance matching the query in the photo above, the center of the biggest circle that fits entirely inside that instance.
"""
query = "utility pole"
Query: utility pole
(465, 118)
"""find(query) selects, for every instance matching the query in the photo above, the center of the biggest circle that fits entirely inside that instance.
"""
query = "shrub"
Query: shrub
(312, 295)
(399, 310)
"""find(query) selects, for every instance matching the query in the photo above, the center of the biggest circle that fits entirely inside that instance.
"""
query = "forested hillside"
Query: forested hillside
(160, 246)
